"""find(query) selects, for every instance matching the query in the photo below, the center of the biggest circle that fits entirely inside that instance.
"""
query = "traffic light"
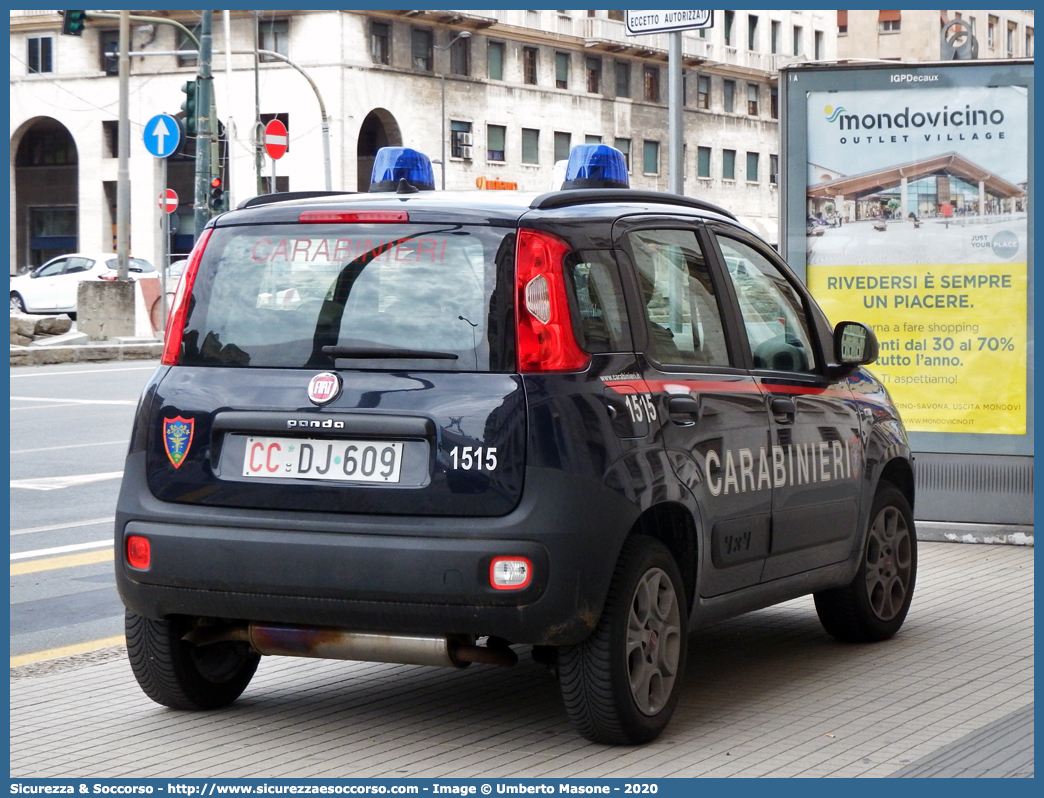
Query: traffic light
(189, 106)
(217, 195)
(73, 22)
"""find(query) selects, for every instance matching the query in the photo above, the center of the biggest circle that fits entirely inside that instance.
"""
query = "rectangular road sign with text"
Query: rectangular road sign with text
(639, 22)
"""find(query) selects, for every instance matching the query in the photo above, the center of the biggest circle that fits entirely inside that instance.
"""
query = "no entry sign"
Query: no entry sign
(168, 201)
(275, 139)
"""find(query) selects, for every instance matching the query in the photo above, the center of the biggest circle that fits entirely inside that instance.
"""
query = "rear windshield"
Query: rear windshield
(376, 296)
(133, 264)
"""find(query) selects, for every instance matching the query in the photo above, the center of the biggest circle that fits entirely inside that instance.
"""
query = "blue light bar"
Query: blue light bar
(395, 164)
(595, 166)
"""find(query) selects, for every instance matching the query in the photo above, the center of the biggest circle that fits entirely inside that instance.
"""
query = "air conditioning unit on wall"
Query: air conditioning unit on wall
(464, 139)
(465, 152)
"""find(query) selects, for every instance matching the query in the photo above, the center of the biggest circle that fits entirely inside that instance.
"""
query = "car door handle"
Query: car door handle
(784, 409)
(682, 409)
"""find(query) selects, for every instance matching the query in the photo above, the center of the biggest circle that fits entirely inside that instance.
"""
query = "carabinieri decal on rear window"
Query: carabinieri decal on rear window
(177, 438)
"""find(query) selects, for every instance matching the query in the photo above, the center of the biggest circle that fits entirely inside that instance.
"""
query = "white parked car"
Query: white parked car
(52, 288)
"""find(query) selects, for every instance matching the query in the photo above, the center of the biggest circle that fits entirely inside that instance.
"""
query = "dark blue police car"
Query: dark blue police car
(425, 427)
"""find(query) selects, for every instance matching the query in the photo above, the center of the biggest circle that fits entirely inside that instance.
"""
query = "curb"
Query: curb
(90, 353)
(947, 532)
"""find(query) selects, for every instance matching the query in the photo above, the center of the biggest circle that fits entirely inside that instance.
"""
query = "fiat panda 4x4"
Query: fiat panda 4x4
(436, 427)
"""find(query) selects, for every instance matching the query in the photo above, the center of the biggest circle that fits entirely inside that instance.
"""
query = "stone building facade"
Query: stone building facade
(518, 92)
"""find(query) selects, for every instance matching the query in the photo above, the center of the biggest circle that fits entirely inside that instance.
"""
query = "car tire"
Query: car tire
(620, 686)
(873, 606)
(179, 675)
(17, 305)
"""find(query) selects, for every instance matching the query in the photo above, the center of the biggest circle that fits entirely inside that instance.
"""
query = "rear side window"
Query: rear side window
(684, 321)
(378, 296)
(595, 285)
(133, 265)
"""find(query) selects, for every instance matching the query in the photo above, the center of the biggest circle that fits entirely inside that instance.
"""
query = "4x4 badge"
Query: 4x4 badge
(177, 438)
(324, 388)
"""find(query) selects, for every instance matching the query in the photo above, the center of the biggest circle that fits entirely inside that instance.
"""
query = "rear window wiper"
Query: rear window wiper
(406, 354)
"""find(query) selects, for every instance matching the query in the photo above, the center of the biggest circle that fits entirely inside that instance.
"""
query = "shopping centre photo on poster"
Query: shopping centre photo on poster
(917, 176)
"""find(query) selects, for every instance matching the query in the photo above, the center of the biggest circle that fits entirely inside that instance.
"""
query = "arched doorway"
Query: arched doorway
(379, 129)
(46, 208)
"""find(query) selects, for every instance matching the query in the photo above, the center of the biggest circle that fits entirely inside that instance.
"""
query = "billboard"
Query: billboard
(916, 224)
(907, 204)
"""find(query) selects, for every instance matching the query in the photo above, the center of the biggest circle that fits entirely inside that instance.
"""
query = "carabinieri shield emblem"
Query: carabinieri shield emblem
(177, 438)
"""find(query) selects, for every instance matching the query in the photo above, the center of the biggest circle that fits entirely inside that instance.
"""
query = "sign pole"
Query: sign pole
(273, 191)
(675, 121)
(165, 265)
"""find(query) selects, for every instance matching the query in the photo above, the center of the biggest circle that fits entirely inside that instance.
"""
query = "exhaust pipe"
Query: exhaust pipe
(327, 643)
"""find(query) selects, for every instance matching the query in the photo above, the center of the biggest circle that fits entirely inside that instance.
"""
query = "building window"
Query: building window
(991, 31)
(774, 102)
(623, 79)
(529, 65)
(752, 32)
(799, 35)
(530, 145)
(561, 70)
(703, 161)
(703, 92)
(460, 140)
(752, 167)
(817, 46)
(842, 23)
(774, 38)
(594, 75)
(616, 15)
(380, 42)
(651, 75)
(495, 138)
(562, 142)
(495, 60)
(421, 50)
(1012, 27)
(730, 17)
(624, 146)
(592, 139)
(889, 21)
(111, 138)
(728, 164)
(651, 157)
(39, 55)
(109, 42)
(1029, 42)
(752, 99)
(460, 57)
(185, 43)
(274, 35)
(728, 91)
(773, 169)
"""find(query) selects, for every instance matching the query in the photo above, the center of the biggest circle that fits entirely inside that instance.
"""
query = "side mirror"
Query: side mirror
(854, 344)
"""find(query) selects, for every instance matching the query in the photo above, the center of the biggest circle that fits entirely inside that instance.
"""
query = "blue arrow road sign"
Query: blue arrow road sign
(162, 135)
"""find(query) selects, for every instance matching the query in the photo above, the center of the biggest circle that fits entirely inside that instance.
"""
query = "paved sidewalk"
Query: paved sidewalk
(768, 694)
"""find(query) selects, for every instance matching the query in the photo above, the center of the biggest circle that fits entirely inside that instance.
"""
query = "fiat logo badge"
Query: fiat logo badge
(324, 388)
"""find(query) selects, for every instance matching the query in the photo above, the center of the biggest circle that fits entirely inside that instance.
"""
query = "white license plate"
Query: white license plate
(334, 460)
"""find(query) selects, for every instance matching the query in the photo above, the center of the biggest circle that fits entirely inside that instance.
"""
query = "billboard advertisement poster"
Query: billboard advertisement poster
(916, 223)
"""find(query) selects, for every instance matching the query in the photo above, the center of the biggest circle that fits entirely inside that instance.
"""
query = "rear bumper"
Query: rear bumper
(404, 574)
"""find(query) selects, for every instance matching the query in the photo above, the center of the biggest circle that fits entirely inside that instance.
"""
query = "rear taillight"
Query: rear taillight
(109, 276)
(179, 309)
(139, 552)
(351, 217)
(545, 329)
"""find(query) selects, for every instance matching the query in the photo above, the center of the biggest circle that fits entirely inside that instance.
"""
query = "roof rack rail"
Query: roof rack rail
(285, 196)
(562, 199)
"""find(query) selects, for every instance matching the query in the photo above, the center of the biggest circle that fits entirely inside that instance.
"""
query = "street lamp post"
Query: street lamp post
(464, 34)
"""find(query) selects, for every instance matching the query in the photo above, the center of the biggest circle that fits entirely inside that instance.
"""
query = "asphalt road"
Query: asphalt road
(70, 426)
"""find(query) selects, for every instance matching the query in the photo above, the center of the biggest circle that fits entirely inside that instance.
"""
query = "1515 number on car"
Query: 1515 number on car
(473, 458)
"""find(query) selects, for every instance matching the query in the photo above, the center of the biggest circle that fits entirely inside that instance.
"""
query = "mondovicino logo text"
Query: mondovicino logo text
(905, 119)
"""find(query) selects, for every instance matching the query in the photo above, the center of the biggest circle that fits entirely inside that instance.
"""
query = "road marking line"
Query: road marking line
(67, 651)
(74, 401)
(52, 527)
(69, 446)
(54, 483)
(44, 407)
(25, 555)
(54, 563)
(83, 371)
